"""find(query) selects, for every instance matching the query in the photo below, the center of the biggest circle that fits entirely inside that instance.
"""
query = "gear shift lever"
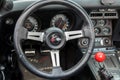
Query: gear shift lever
(104, 74)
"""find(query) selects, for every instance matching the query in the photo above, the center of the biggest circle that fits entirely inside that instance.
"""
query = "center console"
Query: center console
(109, 69)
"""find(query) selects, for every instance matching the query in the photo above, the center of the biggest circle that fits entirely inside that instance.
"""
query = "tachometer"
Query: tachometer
(31, 24)
(61, 21)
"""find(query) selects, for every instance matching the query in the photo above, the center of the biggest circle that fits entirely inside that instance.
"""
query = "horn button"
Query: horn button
(55, 38)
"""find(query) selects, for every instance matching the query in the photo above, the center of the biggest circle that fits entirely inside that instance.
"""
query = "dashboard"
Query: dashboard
(65, 20)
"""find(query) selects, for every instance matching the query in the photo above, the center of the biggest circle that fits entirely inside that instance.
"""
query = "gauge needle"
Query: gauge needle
(60, 21)
(65, 26)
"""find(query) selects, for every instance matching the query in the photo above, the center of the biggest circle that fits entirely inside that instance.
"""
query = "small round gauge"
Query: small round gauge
(61, 21)
(31, 24)
(101, 22)
(94, 22)
(106, 30)
(97, 30)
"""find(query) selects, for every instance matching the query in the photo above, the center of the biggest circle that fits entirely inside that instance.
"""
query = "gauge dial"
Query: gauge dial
(101, 22)
(31, 24)
(106, 30)
(97, 30)
(61, 21)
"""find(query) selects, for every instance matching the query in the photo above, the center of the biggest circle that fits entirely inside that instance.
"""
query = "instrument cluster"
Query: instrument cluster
(34, 23)
(102, 27)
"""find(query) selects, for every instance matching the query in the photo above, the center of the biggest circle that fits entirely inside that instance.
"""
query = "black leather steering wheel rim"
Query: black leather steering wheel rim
(21, 32)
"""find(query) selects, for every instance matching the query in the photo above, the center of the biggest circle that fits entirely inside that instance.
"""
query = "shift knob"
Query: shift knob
(100, 56)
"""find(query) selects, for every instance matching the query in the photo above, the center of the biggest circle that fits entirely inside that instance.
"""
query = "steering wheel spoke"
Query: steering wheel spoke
(55, 57)
(70, 35)
(36, 36)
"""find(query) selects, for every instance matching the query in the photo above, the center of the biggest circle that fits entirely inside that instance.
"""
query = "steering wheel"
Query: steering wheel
(54, 43)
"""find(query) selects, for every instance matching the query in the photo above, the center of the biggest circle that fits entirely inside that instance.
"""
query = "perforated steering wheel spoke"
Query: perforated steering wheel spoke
(36, 36)
(70, 35)
(55, 57)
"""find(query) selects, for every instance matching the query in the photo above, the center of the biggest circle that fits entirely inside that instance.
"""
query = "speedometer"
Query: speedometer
(31, 24)
(61, 21)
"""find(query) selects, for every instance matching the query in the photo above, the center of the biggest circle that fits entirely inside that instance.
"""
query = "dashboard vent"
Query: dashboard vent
(111, 15)
(96, 14)
(105, 15)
